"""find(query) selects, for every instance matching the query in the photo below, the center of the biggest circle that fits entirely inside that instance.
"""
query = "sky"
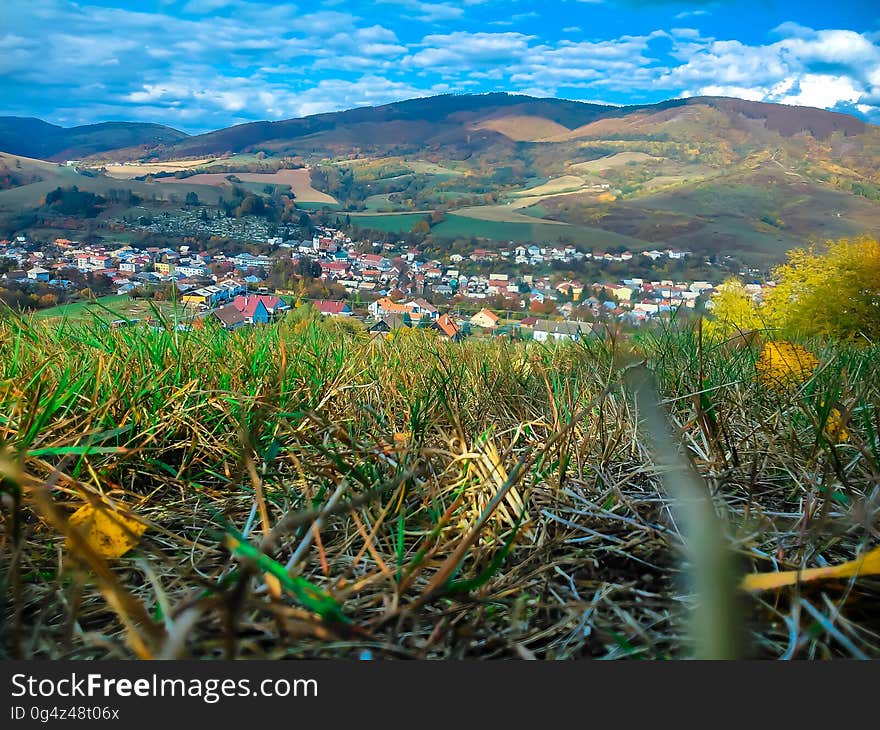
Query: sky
(199, 65)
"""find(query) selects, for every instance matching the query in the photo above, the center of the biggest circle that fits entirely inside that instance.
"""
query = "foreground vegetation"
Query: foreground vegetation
(300, 491)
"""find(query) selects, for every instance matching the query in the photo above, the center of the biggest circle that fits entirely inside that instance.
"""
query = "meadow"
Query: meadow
(305, 490)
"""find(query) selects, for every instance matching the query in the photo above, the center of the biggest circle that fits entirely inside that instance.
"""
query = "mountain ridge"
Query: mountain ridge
(441, 119)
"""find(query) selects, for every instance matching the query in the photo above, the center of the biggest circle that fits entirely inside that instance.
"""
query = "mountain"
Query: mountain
(35, 138)
(453, 122)
(711, 174)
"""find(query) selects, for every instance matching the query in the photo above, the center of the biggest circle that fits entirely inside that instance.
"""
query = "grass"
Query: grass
(454, 226)
(311, 492)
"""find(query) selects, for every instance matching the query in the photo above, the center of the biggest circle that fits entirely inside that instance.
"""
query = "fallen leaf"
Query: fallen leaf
(866, 564)
(109, 533)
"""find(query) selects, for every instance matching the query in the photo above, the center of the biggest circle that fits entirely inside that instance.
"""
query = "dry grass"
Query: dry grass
(300, 182)
(523, 128)
(315, 493)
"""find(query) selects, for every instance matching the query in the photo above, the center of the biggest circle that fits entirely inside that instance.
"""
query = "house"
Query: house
(230, 317)
(252, 308)
(572, 289)
(485, 318)
(384, 306)
(546, 329)
(38, 273)
(259, 308)
(420, 308)
(391, 322)
(447, 327)
(333, 309)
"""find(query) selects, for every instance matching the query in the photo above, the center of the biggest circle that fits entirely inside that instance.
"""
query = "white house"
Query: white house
(546, 329)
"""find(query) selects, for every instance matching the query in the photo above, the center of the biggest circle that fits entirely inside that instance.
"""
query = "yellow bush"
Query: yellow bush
(783, 364)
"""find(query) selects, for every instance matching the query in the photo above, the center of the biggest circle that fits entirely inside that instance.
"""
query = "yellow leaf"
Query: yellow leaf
(835, 430)
(109, 533)
(867, 564)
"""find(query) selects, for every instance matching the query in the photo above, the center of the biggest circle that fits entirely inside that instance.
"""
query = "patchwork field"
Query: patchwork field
(17, 199)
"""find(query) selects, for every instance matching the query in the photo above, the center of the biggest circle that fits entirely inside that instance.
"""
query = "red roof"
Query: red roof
(248, 304)
(335, 265)
(325, 306)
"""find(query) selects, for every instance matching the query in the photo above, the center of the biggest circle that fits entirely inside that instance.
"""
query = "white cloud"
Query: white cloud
(227, 61)
(824, 68)
(691, 14)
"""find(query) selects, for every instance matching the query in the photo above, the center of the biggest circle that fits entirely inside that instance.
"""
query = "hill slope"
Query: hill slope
(31, 137)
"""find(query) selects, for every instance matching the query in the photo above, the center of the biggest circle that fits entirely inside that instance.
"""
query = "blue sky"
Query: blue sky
(204, 64)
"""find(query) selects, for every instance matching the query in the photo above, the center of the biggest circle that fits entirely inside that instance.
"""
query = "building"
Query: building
(332, 309)
(259, 308)
(485, 318)
(38, 273)
(252, 308)
(230, 317)
(447, 328)
(546, 329)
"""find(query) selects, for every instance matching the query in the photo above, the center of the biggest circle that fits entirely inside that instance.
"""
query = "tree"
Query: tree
(192, 198)
(831, 294)
(733, 311)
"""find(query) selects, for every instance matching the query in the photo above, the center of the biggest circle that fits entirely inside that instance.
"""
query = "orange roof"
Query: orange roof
(388, 306)
(447, 326)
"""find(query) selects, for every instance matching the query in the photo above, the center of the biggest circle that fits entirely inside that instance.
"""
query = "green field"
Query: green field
(116, 306)
(391, 223)
(316, 206)
(456, 226)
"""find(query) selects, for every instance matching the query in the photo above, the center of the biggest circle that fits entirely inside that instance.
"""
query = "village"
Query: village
(510, 290)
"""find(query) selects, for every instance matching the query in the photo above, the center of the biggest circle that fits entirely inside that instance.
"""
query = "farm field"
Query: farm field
(535, 229)
(497, 223)
(501, 214)
(564, 184)
(299, 180)
(124, 171)
(545, 525)
(610, 162)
